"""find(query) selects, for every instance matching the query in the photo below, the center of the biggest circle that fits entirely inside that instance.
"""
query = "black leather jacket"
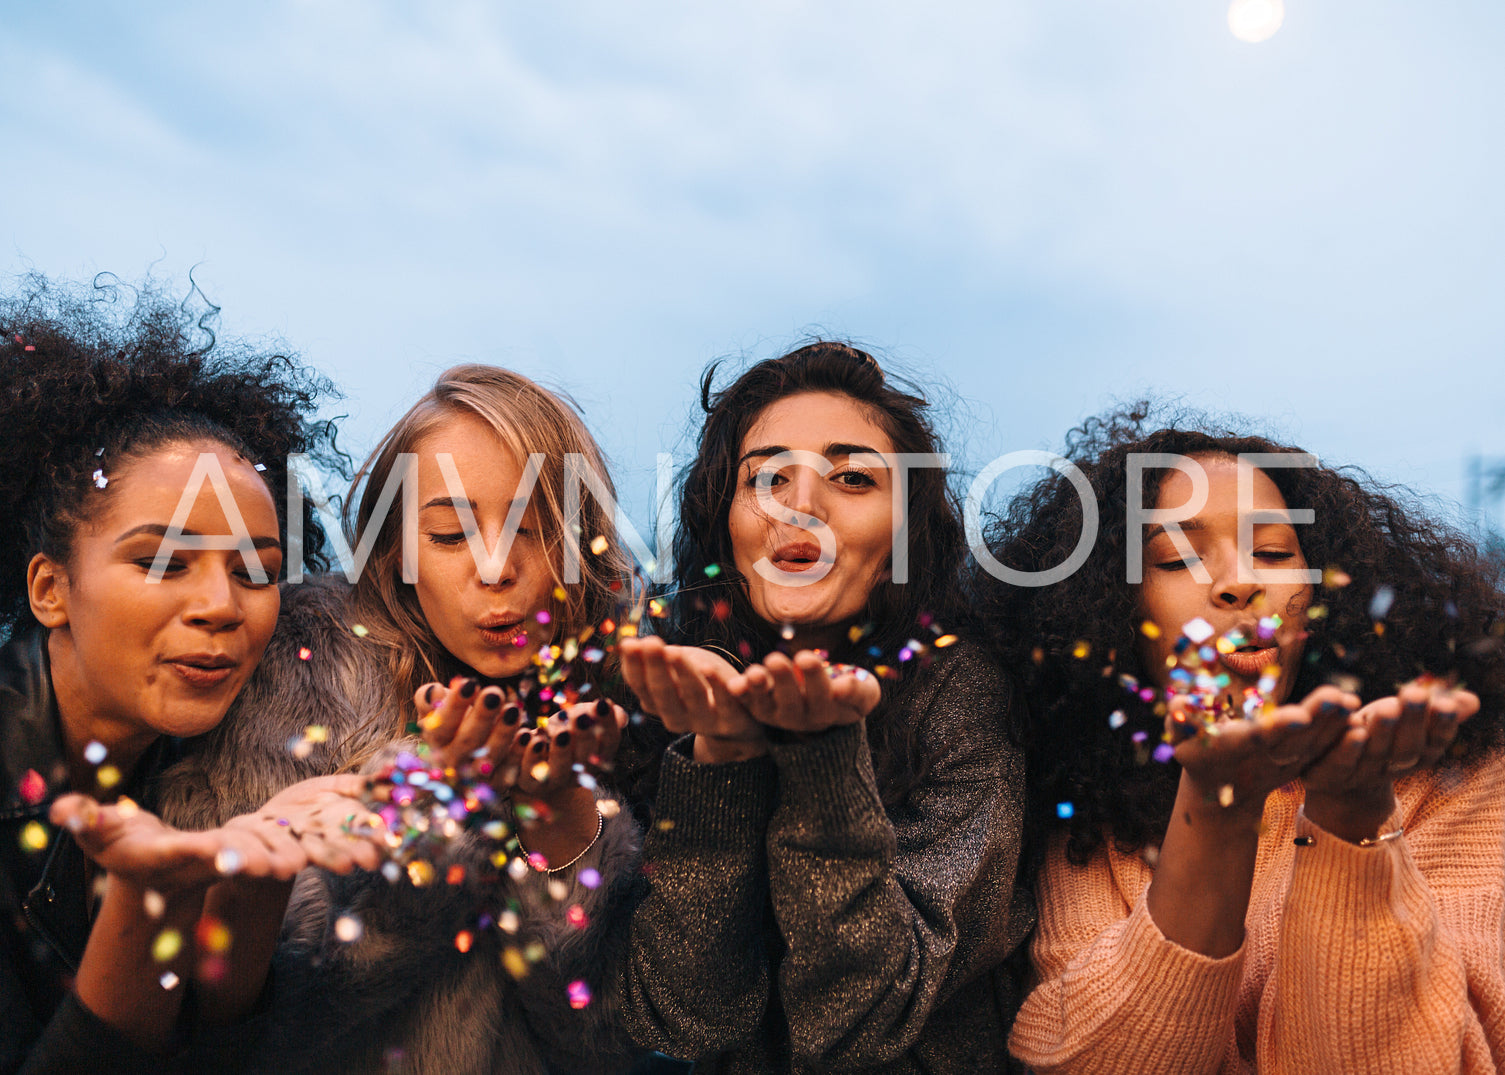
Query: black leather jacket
(44, 910)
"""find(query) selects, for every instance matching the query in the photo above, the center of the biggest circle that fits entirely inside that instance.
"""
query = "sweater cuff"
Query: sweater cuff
(1338, 873)
(822, 777)
(720, 807)
(1168, 970)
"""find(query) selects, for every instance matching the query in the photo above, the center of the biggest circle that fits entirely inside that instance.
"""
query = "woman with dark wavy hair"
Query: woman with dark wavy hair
(140, 548)
(831, 871)
(1307, 874)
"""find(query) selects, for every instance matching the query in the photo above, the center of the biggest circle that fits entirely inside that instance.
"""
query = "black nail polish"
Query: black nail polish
(428, 695)
(541, 744)
(524, 736)
(585, 722)
(511, 714)
(603, 708)
(491, 701)
(1329, 709)
(562, 739)
(469, 688)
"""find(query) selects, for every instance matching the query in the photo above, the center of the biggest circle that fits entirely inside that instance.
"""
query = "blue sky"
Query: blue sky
(1035, 207)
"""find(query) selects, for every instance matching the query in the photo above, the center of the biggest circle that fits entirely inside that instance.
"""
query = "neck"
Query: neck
(831, 638)
(84, 722)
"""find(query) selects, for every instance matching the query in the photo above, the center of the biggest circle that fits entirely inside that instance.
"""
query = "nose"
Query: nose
(802, 492)
(509, 566)
(214, 601)
(1228, 590)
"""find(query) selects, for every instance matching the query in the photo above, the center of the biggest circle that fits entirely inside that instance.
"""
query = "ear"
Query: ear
(47, 590)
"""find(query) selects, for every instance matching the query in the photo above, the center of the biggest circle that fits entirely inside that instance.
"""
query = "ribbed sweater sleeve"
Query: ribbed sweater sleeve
(1115, 995)
(885, 917)
(1387, 958)
(1391, 958)
(696, 979)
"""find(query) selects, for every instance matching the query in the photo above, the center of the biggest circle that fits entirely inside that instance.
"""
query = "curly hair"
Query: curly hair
(709, 600)
(1419, 598)
(94, 377)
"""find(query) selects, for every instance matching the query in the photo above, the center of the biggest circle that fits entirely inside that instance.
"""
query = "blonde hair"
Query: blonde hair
(527, 418)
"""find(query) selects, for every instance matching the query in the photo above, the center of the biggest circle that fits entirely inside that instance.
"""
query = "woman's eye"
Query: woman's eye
(447, 539)
(267, 576)
(857, 479)
(1178, 564)
(1274, 554)
(170, 567)
(762, 477)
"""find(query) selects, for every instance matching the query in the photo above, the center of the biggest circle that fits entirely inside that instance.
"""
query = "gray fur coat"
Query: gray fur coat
(402, 997)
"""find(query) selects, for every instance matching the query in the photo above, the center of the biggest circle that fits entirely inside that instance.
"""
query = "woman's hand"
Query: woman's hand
(1350, 791)
(689, 689)
(1239, 762)
(806, 694)
(458, 720)
(304, 825)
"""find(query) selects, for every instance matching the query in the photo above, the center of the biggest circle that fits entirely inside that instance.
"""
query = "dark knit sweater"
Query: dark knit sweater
(793, 924)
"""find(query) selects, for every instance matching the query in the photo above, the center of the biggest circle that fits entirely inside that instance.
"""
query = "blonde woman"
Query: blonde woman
(468, 577)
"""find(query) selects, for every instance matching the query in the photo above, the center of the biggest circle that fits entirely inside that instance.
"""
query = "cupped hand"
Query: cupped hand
(1240, 761)
(460, 719)
(328, 819)
(689, 690)
(546, 762)
(805, 694)
(1350, 791)
(137, 846)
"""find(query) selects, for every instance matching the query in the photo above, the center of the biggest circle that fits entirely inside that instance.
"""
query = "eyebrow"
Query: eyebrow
(831, 451)
(448, 502)
(458, 502)
(1188, 524)
(158, 530)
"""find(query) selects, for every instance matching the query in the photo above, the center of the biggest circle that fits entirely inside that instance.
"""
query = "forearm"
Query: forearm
(1376, 970)
(877, 937)
(1114, 994)
(1205, 872)
(251, 912)
(696, 980)
(121, 978)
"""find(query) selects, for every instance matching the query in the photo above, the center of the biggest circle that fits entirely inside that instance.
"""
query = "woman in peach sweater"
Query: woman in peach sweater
(1270, 819)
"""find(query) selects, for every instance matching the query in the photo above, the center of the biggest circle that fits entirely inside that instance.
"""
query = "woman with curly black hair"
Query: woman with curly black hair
(1281, 885)
(854, 837)
(139, 553)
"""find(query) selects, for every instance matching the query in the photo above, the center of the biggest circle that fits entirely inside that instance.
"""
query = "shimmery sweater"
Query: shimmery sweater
(1389, 958)
(793, 924)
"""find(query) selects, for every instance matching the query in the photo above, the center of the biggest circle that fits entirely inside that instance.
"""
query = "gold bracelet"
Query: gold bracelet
(1368, 841)
(527, 855)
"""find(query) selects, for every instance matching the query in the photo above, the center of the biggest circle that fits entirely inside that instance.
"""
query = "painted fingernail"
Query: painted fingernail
(603, 708)
(562, 739)
(1331, 709)
(540, 744)
(585, 722)
(428, 695)
(511, 714)
(1446, 715)
(1414, 709)
(469, 688)
(491, 701)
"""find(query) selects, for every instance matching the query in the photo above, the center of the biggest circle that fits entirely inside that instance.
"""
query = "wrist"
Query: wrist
(1352, 817)
(718, 750)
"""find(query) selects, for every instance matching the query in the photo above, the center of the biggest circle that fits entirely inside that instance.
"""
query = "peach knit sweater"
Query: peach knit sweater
(1389, 958)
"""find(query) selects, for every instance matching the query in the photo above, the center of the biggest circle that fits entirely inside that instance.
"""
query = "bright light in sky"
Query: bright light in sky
(1255, 20)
